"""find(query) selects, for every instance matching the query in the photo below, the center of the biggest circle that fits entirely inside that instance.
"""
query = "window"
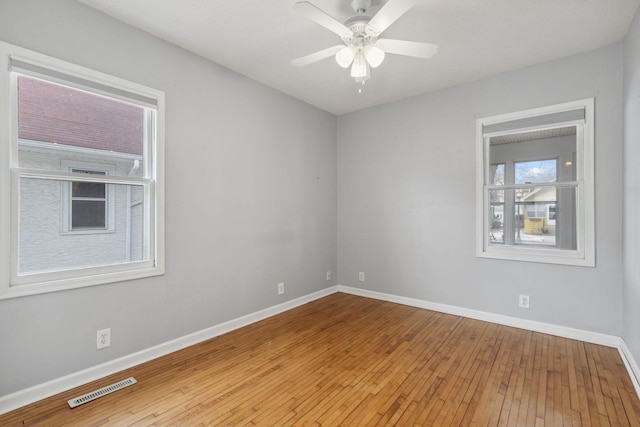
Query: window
(551, 213)
(88, 207)
(81, 180)
(88, 203)
(535, 185)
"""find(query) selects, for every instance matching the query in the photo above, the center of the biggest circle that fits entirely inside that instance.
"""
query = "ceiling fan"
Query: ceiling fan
(362, 48)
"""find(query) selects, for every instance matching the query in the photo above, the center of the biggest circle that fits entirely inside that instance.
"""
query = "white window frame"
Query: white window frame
(584, 255)
(67, 200)
(14, 59)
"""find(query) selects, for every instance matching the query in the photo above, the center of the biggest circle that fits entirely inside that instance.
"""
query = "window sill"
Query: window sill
(546, 256)
(50, 283)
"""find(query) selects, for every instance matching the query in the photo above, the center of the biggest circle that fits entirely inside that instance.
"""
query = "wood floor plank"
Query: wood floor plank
(348, 360)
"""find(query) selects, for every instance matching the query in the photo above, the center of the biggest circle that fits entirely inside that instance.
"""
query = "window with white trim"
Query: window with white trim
(88, 207)
(88, 203)
(535, 185)
(81, 182)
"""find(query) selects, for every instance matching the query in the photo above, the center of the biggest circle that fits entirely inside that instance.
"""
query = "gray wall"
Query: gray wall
(406, 198)
(631, 289)
(250, 201)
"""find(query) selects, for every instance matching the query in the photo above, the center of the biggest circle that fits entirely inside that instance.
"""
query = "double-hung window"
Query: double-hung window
(535, 185)
(81, 179)
(88, 207)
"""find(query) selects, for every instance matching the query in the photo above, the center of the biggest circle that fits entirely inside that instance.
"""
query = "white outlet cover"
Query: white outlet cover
(523, 301)
(103, 338)
(280, 288)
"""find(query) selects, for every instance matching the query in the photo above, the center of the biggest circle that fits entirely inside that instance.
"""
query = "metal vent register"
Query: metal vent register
(77, 401)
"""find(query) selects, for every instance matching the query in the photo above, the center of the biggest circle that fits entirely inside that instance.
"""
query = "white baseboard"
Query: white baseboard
(58, 385)
(630, 363)
(41, 391)
(530, 325)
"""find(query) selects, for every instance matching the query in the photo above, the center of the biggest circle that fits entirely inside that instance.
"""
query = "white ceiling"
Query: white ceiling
(476, 38)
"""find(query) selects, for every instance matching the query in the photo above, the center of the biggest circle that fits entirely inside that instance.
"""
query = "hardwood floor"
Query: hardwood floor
(348, 360)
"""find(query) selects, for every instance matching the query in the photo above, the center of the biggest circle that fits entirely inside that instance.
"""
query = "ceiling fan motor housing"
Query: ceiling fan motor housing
(360, 35)
(360, 6)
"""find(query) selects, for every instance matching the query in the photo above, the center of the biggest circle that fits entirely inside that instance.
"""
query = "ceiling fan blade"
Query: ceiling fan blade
(407, 48)
(310, 11)
(317, 56)
(386, 16)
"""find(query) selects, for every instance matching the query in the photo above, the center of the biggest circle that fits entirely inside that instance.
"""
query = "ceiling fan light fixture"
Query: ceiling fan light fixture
(359, 68)
(374, 55)
(345, 56)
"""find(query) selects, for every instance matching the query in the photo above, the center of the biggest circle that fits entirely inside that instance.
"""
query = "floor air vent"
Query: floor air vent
(77, 401)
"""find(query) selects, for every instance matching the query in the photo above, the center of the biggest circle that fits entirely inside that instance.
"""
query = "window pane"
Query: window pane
(58, 123)
(531, 225)
(534, 226)
(542, 156)
(535, 172)
(88, 214)
(496, 174)
(496, 216)
(44, 247)
(94, 190)
(542, 217)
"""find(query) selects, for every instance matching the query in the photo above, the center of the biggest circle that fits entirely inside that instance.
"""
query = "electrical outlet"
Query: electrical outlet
(280, 288)
(329, 275)
(103, 338)
(361, 276)
(523, 301)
